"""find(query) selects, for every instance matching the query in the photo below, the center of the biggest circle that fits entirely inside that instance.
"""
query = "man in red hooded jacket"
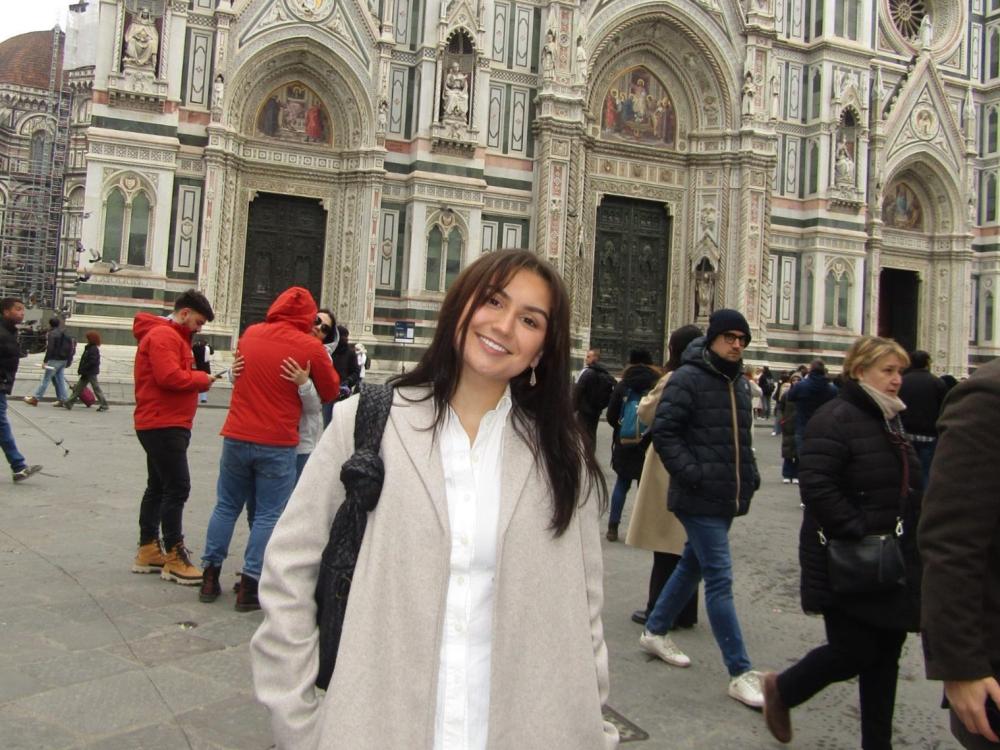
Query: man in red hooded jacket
(166, 397)
(260, 436)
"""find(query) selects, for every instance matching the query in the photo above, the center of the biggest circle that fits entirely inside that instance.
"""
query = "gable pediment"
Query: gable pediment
(923, 118)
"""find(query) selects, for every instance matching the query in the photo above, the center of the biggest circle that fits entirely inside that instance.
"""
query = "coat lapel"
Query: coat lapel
(514, 474)
(413, 422)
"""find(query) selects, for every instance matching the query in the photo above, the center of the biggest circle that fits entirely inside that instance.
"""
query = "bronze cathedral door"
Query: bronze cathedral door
(285, 240)
(630, 279)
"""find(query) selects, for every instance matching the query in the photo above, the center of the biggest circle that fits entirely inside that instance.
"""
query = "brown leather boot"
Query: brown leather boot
(246, 599)
(178, 567)
(210, 588)
(776, 714)
(149, 558)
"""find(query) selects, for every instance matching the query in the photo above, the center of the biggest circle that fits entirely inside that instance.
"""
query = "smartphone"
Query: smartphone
(222, 373)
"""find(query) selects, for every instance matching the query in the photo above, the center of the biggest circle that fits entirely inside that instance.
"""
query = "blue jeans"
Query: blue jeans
(14, 458)
(789, 468)
(706, 553)
(925, 452)
(300, 464)
(618, 495)
(56, 373)
(263, 475)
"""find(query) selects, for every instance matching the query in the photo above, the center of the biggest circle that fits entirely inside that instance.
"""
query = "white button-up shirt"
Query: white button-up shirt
(472, 488)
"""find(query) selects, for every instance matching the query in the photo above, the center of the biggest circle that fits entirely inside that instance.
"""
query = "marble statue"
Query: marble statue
(844, 166)
(581, 62)
(549, 52)
(456, 93)
(926, 32)
(749, 92)
(142, 41)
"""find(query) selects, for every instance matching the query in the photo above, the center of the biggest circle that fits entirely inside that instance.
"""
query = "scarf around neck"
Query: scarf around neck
(890, 405)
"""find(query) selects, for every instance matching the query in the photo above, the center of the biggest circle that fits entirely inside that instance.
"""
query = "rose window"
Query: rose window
(907, 15)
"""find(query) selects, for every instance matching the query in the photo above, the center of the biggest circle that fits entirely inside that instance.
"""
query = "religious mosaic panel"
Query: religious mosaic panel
(294, 113)
(901, 208)
(638, 109)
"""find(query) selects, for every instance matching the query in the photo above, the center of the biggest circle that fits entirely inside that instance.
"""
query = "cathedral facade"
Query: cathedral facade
(828, 167)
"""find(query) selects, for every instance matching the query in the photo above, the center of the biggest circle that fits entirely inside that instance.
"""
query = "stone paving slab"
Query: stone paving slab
(94, 656)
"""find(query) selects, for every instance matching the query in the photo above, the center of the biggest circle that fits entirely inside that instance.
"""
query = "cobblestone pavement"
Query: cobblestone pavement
(93, 656)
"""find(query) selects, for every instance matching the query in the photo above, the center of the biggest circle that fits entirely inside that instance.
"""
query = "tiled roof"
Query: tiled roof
(25, 59)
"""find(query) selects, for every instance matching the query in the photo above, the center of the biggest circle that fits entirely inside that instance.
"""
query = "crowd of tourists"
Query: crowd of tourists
(393, 528)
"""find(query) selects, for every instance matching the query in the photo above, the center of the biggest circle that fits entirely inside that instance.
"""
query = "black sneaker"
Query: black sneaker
(27, 471)
(639, 617)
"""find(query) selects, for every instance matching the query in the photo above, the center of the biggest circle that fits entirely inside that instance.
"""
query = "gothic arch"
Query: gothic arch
(696, 58)
(344, 95)
(934, 185)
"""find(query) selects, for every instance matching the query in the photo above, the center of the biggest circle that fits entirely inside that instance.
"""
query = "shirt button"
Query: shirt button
(461, 580)
(459, 627)
(465, 540)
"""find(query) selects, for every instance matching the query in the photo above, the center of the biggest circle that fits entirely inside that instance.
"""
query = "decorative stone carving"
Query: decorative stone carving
(549, 52)
(581, 62)
(749, 92)
(775, 95)
(844, 167)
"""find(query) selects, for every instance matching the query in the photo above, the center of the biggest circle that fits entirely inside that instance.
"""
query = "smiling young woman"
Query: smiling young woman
(480, 574)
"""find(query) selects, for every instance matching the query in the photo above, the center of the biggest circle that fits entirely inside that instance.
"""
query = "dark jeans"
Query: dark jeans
(168, 484)
(766, 402)
(618, 495)
(925, 452)
(14, 457)
(789, 468)
(853, 649)
(663, 566)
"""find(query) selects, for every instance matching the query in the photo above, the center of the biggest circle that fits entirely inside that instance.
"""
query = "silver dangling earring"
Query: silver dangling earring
(532, 381)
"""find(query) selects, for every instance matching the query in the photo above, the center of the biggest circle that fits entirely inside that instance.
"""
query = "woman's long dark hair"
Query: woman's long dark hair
(678, 342)
(542, 414)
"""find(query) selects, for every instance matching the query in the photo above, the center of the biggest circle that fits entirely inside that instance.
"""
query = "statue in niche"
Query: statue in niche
(142, 41)
(456, 93)
(549, 55)
(383, 115)
(844, 165)
(218, 91)
(749, 92)
(581, 62)
(704, 289)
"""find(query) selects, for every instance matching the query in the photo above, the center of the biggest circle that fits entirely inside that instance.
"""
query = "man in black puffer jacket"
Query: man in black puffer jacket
(702, 435)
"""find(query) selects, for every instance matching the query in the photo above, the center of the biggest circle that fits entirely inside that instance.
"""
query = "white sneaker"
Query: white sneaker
(795, 481)
(786, 481)
(747, 689)
(661, 646)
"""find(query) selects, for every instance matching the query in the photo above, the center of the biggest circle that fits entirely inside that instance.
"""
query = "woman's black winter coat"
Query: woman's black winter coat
(851, 475)
(627, 460)
(90, 362)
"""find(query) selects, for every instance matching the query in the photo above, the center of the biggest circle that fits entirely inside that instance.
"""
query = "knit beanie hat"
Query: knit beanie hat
(726, 320)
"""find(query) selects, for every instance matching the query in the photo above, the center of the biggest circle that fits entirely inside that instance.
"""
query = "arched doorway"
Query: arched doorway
(630, 278)
(899, 306)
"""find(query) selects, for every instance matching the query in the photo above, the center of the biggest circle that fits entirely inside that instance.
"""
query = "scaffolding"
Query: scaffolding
(34, 173)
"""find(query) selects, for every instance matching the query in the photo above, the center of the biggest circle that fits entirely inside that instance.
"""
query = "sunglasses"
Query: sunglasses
(318, 323)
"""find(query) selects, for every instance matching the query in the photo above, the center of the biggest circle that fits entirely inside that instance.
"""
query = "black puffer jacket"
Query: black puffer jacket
(90, 362)
(702, 435)
(10, 355)
(851, 474)
(627, 460)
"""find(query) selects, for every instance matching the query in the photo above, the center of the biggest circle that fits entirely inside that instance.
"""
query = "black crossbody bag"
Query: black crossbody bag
(362, 475)
(874, 563)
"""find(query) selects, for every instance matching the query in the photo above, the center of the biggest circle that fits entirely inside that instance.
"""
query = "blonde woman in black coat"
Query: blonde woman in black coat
(857, 477)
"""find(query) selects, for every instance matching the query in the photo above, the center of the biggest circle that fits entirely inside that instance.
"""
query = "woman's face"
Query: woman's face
(885, 375)
(505, 336)
(325, 323)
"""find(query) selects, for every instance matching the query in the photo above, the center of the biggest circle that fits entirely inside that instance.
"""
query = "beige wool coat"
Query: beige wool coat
(652, 526)
(549, 667)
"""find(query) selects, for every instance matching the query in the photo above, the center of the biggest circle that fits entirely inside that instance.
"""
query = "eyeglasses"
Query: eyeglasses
(733, 338)
(318, 323)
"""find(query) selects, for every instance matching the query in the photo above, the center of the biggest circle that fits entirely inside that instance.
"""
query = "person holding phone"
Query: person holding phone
(959, 540)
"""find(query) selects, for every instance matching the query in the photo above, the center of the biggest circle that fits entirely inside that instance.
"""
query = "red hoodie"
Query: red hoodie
(265, 408)
(166, 383)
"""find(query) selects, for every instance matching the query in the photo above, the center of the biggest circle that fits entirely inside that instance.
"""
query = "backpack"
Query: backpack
(631, 429)
(601, 389)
